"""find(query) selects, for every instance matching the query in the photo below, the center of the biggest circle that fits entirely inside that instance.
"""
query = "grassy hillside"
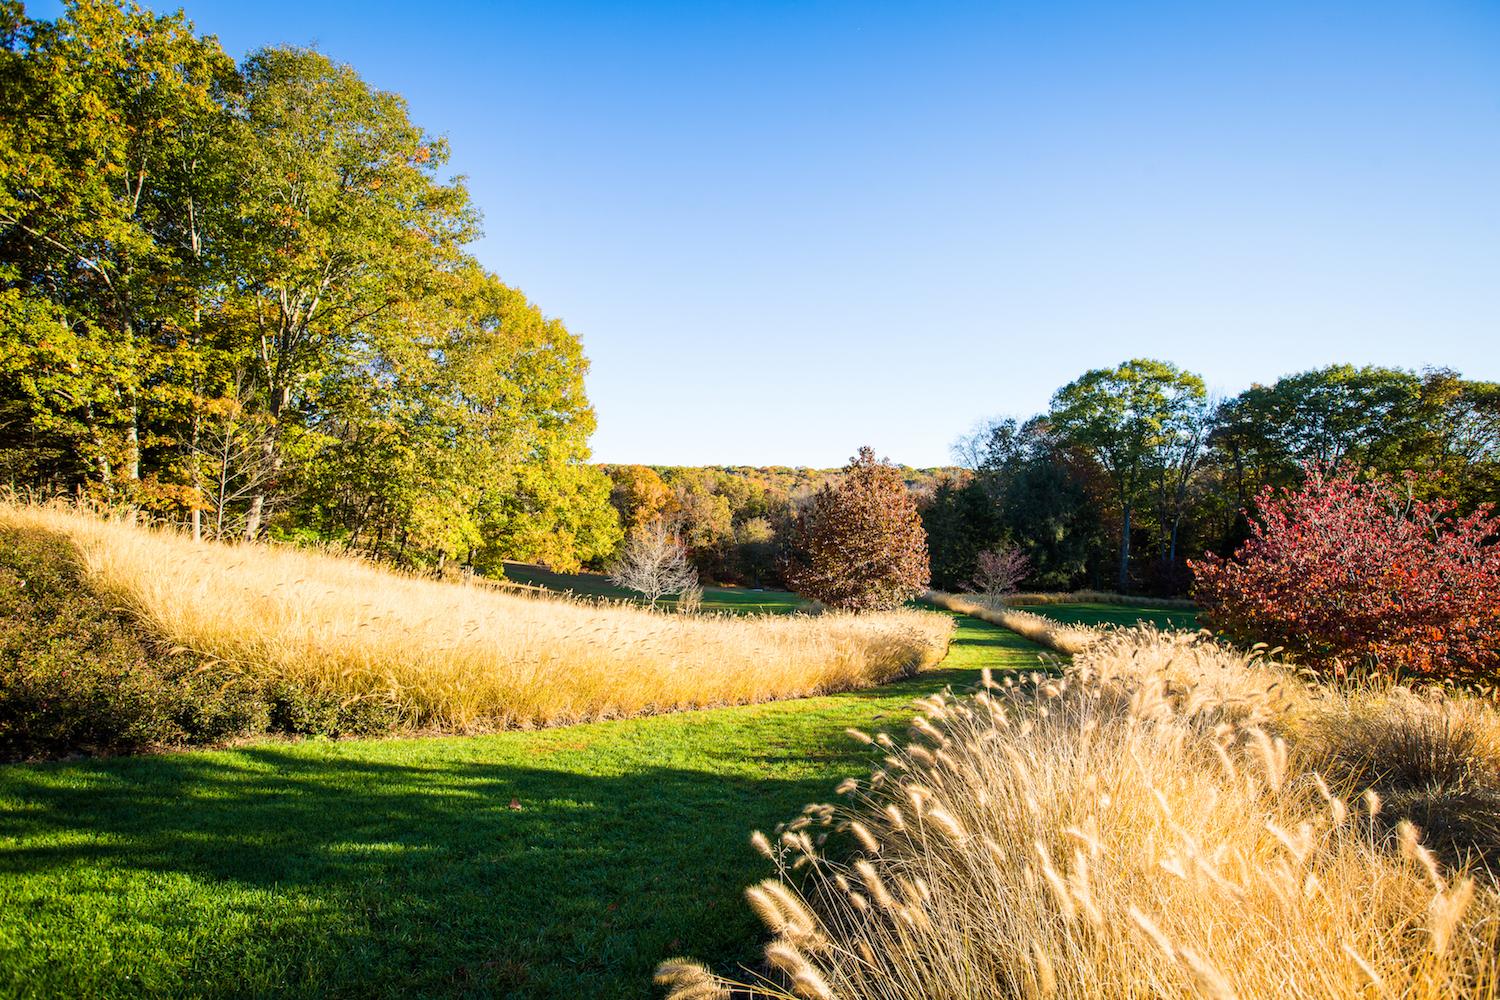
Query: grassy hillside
(556, 863)
(418, 654)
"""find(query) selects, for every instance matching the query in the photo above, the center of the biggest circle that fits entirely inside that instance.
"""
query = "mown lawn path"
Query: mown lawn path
(558, 863)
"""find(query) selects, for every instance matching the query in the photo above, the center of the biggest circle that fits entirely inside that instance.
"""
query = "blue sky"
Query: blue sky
(787, 229)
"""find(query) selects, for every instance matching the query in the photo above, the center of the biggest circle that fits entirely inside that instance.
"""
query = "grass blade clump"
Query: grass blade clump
(1150, 823)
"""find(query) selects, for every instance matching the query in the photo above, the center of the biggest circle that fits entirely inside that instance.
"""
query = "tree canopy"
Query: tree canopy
(244, 291)
(860, 543)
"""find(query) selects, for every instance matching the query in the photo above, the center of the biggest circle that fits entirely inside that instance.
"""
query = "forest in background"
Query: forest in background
(1136, 469)
(1142, 444)
(238, 296)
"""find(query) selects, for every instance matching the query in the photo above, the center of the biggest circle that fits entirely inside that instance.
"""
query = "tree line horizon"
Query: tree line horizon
(1141, 443)
(239, 296)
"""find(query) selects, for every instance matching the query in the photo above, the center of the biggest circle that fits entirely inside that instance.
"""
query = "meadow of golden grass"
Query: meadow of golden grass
(1168, 818)
(464, 657)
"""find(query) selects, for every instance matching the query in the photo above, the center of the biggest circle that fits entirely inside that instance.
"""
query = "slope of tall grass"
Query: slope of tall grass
(460, 657)
(1153, 823)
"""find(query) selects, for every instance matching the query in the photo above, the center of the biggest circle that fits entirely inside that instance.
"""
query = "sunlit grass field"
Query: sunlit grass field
(467, 657)
(1089, 613)
(1163, 817)
(555, 863)
(730, 600)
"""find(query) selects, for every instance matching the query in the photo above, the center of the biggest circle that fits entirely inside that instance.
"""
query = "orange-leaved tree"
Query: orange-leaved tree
(860, 543)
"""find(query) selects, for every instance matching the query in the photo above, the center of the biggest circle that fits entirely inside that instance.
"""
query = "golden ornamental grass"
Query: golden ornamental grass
(1147, 824)
(464, 657)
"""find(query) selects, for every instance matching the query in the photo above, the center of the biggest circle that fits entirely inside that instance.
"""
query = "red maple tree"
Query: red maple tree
(860, 544)
(1358, 574)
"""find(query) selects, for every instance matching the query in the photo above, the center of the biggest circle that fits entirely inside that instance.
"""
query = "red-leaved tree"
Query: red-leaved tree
(1352, 574)
(861, 545)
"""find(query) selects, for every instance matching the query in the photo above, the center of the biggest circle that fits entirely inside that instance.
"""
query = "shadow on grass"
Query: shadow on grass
(563, 863)
(429, 880)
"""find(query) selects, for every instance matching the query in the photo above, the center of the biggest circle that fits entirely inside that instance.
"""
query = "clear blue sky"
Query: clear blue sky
(784, 230)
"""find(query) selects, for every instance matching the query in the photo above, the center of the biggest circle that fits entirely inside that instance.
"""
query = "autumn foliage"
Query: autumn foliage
(861, 545)
(1351, 574)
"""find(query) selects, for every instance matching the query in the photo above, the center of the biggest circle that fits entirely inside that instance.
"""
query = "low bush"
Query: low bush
(78, 675)
(75, 675)
(1354, 575)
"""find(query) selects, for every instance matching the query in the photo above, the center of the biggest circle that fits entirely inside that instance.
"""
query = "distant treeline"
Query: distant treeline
(1134, 470)
(1130, 473)
(736, 521)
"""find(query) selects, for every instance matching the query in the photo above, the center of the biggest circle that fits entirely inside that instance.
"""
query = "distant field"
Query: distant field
(738, 600)
(1084, 613)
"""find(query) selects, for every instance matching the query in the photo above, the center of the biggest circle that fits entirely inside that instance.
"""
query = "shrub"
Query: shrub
(861, 546)
(76, 676)
(1000, 570)
(1349, 574)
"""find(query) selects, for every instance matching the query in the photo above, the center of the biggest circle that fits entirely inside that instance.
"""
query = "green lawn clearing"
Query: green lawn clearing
(561, 863)
(736, 600)
(1115, 614)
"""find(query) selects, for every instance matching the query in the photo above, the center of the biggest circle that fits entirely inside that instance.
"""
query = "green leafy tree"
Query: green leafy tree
(346, 225)
(1134, 420)
(113, 165)
(232, 290)
(961, 521)
(861, 546)
(1045, 497)
(1382, 420)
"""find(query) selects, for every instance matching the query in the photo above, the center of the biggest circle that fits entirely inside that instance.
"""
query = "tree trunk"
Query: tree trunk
(271, 455)
(195, 464)
(1124, 578)
(133, 444)
(101, 454)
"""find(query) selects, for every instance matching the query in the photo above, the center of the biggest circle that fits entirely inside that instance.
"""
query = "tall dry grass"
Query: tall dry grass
(1149, 824)
(467, 657)
(1053, 634)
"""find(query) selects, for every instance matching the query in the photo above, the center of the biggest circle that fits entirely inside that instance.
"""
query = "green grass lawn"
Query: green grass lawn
(737, 600)
(399, 868)
(1115, 614)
